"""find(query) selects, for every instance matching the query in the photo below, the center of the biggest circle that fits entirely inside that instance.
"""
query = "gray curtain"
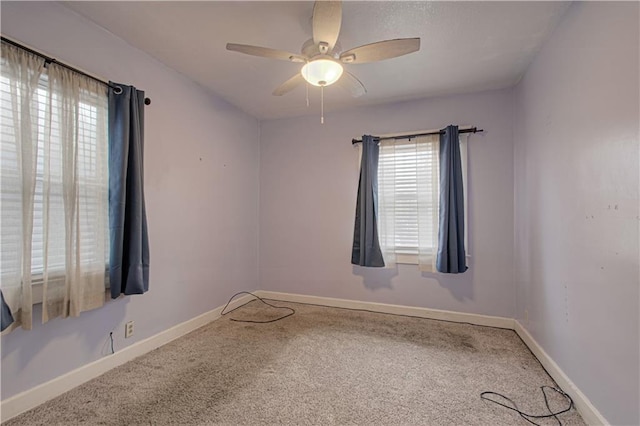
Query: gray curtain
(451, 254)
(129, 255)
(366, 246)
(6, 319)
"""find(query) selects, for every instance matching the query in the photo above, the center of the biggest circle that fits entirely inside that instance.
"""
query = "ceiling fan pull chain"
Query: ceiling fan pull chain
(307, 86)
(321, 104)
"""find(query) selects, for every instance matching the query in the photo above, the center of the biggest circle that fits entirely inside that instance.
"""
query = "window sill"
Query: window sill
(412, 259)
(37, 286)
(407, 259)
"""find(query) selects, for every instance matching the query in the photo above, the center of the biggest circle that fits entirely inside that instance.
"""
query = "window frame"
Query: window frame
(402, 257)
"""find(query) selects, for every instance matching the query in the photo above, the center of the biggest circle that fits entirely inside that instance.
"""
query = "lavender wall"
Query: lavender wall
(308, 184)
(201, 171)
(577, 179)
(576, 203)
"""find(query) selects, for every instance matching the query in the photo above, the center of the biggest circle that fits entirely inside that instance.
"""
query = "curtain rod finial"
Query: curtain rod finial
(147, 101)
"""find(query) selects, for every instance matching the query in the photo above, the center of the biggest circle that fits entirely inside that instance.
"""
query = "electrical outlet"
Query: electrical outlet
(128, 329)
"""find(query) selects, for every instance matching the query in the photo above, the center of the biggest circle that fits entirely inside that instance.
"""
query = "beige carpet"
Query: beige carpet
(321, 366)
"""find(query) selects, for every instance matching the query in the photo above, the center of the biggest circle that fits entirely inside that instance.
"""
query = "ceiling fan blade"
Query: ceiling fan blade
(380, 50)
(265, 52)
(350, 83)
(289, 85)
(327, 18)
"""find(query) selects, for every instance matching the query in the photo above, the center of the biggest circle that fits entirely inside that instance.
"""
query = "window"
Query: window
(91, 128)
(408, 199)
(54, 184)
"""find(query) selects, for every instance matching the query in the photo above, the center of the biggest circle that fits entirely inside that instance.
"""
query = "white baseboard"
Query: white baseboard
(33, 397)
(40, 394)
(413, 311)
(588, 412)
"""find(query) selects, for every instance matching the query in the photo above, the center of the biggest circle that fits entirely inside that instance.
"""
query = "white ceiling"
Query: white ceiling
(465, 46)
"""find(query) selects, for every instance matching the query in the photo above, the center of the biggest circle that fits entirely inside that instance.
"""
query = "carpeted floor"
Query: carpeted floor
(320, 366)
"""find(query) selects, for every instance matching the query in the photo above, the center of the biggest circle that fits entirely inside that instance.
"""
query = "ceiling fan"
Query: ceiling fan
(322, 56)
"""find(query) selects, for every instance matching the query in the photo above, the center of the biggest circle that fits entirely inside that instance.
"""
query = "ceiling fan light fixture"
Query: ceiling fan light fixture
(321, 72)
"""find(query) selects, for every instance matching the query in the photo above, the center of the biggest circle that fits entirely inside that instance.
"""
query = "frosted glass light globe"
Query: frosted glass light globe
(322, 72)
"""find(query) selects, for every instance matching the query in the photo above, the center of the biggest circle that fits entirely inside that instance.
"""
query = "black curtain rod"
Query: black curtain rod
(439, 132)
(50, 60)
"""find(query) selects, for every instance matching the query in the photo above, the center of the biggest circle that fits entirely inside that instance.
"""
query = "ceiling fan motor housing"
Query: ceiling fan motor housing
(310, 49)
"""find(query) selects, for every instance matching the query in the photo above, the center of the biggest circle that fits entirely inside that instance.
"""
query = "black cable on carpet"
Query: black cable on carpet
(260, 299)
(527, 416)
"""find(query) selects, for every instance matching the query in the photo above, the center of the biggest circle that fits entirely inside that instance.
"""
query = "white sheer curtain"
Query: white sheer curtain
(428, 188)
(408, 200)
(54, 188)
